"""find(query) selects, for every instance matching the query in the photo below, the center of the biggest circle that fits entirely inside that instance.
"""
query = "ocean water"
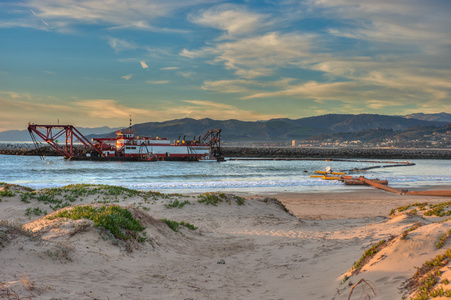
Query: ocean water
(244, 176)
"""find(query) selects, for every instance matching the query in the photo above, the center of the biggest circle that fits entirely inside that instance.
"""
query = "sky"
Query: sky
(93, 63)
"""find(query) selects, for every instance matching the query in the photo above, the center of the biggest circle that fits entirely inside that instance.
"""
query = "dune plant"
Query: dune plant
(427, 276)
(7, 193)
(175, 226)
(215, 198)
(421, 206)
(406, 232)
(176, 203)
(368, 254)
(438, 210)
(36, 211)
(442, 239)
(115, 219)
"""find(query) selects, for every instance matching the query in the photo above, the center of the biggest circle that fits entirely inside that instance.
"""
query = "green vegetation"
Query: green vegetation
(57, 198)
(278, 203)
(427, 276)
(36, 211)
(175, 226)
(345, 278)
(438, 210)
(406, 232)
(215, 198)
(7, 193)
(368, 255)
(25, 197)
(176, 203)
(442, 239)
(421, 206)
(113, 218)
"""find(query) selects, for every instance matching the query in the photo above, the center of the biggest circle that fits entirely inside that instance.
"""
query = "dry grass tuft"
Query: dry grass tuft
(60, 252)
(6, 293)
(27, 283)
(367, 286)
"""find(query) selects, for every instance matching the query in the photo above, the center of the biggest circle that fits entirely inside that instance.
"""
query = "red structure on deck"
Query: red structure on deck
(55, 132)
(126, 146)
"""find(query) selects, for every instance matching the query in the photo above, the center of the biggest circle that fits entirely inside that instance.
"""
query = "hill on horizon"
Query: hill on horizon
(282, 129)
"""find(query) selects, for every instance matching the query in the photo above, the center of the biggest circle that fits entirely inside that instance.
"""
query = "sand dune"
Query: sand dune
(251, 251)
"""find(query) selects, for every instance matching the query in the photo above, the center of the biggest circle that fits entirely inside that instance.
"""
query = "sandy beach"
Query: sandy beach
(249, 248)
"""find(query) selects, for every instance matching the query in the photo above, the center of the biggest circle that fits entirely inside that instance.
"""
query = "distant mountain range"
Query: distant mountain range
(440, 117)
(278, 129)
(374, 136)
(272, 130)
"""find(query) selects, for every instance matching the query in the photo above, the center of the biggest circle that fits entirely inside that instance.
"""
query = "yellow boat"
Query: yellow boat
(320, 172)
(316, 176)
(327, 172)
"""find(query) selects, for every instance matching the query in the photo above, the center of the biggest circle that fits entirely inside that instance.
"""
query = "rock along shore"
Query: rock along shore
(389, 153)
(279, 152)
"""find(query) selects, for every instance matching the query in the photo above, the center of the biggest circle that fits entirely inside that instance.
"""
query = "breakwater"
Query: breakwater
(26, 149)
(276, 152)
(294, 153)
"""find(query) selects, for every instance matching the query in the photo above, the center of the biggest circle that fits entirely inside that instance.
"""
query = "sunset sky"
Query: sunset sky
(95, 62)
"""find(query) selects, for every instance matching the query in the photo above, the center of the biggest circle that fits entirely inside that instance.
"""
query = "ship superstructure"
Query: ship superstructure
(127, 145)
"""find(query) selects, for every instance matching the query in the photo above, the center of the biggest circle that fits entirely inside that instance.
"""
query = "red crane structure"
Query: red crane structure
(126, 146)
(52, 133)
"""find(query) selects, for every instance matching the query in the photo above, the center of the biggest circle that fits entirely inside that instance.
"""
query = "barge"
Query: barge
(127, 146)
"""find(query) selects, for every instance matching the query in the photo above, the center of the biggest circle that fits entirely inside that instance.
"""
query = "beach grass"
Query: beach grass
(216, 198)
(117, 220)
(175, 226)
(367, 255)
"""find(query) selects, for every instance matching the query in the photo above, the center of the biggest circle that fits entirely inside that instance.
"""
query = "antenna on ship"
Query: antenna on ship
(130, 123)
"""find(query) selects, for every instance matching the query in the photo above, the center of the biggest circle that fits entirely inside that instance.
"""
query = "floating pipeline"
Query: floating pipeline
(383, 185)
(335, 153)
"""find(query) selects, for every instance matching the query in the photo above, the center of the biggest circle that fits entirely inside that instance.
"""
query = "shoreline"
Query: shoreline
(301, 256)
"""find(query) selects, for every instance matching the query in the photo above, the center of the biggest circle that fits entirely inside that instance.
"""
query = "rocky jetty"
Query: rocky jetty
(389, 153)
(26, 149)
(277, 152)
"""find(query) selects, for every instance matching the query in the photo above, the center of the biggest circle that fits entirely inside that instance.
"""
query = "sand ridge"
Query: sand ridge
(251, 251)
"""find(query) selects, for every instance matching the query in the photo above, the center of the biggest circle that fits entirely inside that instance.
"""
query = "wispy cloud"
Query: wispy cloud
(258, 56)
(144, 65)
(221, 111)
(127, 77)
(387, 50)
(115, 14)
(234, 20)
(121, 45)
(107, 108)
(157, 82)
(243, 85)
(170, 68)
(185, 74)
(110, 112)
